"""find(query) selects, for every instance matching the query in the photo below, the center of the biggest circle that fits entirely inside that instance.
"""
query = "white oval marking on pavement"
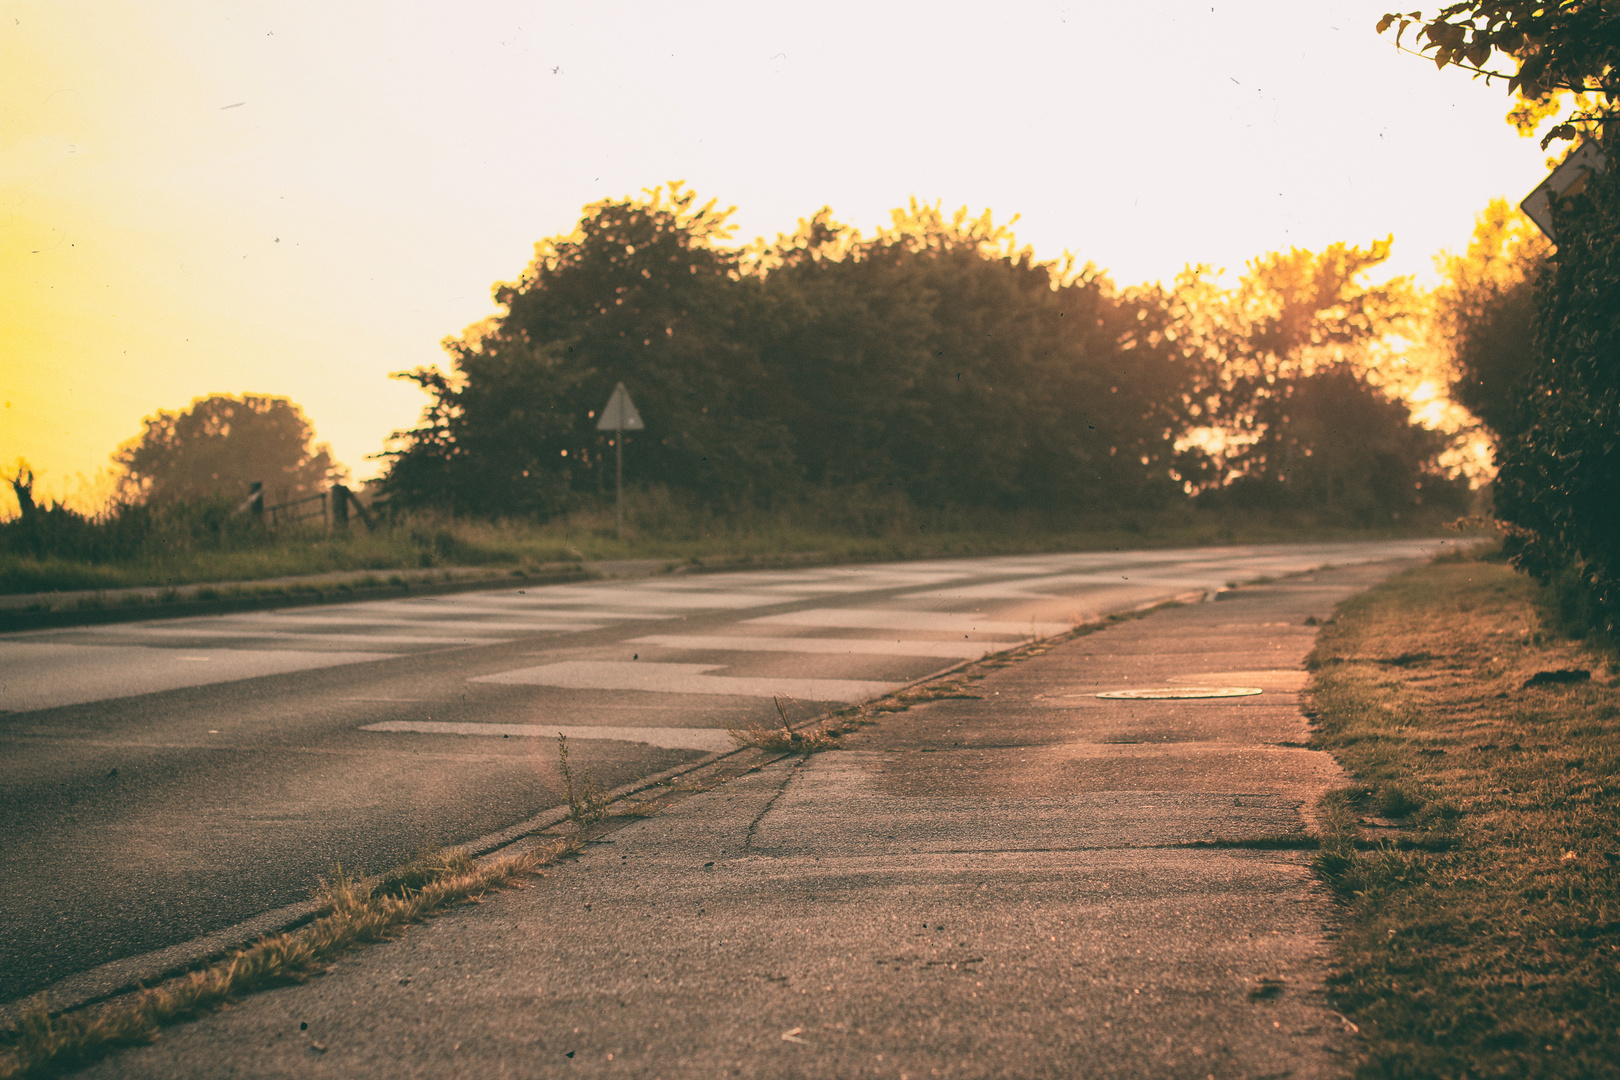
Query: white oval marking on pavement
(964, 650)
(667, 738)
(1169, 693)
(685, 679)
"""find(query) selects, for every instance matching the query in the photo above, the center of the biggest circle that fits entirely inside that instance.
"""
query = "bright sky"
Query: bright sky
(297, 198)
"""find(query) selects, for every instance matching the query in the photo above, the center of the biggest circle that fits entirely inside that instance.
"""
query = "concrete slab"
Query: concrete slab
(999, 887)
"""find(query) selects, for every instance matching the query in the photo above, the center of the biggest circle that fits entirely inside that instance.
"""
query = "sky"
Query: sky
(291, 198)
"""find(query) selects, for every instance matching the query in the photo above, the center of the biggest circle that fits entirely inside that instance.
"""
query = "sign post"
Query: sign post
(619, 415)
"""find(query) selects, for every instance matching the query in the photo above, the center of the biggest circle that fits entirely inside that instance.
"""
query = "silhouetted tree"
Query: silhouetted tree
(219, 444)
(941, 357)
(1558, 479)
(1485, 314)
(1288, 411)
(1558, 456)
(640, 293)
(1331, 440)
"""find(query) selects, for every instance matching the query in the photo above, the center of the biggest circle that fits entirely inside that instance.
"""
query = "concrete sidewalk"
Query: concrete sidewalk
(974, 888)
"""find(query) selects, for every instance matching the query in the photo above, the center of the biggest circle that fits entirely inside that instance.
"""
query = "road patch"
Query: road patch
(957, 622)
(963, 650)
(685, 679)
(666, 738)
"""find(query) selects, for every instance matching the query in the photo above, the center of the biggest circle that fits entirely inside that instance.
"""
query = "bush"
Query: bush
(1558, 485)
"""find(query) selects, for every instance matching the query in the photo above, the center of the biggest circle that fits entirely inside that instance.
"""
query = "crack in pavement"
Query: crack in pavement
(781, 789)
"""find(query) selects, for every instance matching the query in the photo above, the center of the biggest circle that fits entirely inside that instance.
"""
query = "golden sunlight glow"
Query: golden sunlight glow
(297, 199)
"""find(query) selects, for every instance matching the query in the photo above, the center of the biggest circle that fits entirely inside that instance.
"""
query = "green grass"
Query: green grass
(662, 527)
(1483, 934)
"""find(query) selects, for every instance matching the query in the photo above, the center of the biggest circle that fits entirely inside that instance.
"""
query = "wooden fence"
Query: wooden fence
(332, 507)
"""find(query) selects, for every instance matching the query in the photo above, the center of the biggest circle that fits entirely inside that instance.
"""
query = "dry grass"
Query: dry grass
(1479, 854)
(587, 803)
(945, 690)
(351, 913)
(783, 739)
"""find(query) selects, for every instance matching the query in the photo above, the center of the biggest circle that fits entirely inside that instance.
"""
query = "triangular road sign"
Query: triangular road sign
(619, 414)
(1566, 181)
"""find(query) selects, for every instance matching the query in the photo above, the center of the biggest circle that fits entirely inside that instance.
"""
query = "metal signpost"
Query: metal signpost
(1566, 181)
(619, 415)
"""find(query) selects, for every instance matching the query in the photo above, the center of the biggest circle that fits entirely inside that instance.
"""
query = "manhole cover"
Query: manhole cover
(1167, 692)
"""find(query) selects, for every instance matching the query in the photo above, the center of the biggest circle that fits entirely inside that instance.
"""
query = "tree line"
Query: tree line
(935, 359)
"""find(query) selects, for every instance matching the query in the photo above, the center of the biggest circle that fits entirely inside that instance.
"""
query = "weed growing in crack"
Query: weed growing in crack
(784, 740)
(586, 802)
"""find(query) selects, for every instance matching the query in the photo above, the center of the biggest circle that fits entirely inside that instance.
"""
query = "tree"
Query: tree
(1288, 401)
(1558, 482)
(1332, 440)
(641, 293)
(1558, 457)
(221, 443)
(1566, 54)
(1485, 314)
(935, 357)
(942, 358)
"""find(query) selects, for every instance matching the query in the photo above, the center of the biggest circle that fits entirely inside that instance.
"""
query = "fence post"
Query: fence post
(256, 507)
(339, 494)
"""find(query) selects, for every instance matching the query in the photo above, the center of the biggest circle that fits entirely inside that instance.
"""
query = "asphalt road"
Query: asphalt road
(163, 780)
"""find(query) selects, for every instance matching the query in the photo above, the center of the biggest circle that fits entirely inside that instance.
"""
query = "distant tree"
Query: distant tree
(1289, 409)
(219, 444)
(935, 358)
(941, 357)
(1485, 314)
(641, 293)
(1332, 440)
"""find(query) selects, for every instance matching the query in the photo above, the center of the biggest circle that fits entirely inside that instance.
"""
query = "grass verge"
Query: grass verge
(1479, 853)
(351, 912)
(833, 527)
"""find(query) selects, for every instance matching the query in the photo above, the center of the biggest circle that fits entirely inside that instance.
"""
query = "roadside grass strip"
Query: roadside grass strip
(1478, 857)
(351, 912)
